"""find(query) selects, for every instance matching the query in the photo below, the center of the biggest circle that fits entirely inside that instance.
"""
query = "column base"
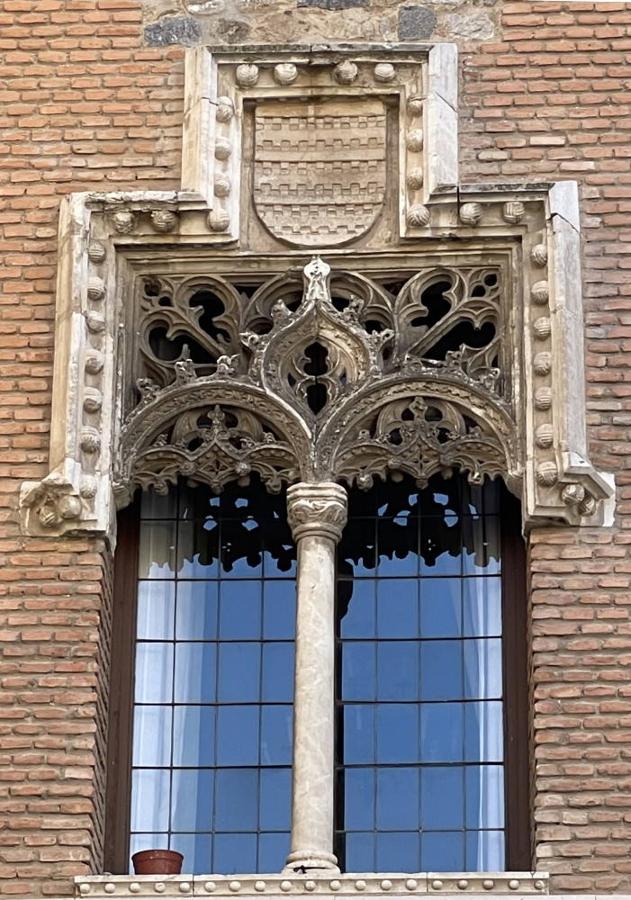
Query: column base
(303, 862)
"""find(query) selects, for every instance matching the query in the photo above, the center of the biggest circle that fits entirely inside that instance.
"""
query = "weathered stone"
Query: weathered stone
(173, 30)
(416, 23)
(332, 4)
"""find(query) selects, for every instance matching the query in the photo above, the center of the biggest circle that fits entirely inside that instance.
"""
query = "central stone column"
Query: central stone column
(317, 515)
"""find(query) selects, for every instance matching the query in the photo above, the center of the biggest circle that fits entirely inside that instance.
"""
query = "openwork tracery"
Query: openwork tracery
(317, 376)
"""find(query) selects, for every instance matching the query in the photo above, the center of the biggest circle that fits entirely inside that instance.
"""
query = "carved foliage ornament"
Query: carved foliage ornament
(320, 378)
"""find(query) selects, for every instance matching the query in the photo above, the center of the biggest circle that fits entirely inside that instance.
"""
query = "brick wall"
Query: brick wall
(84, 105)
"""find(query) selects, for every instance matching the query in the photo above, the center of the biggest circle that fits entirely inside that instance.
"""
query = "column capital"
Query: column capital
(317, 509)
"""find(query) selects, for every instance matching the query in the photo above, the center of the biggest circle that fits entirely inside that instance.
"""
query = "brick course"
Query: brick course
(84, 105)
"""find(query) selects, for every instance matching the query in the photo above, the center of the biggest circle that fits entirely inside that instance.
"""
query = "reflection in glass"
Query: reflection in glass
(214, 680)
(420, 776)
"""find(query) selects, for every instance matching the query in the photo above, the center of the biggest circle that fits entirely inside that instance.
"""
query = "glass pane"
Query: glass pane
(443, 851)
(194, 736)
(279, 610)
(278, 672)
(195, 672)
(483, 668)
(157, 506)
(397, 608)
(156, 610)
(154, 673)
(192, 799)
(240, 610)
(197, 610)
(397, 733)
(397, 798)
(485, 851)
(359, 733)
(150, 800)
(359, 670)
(237, 799)
(440, 607)
(482, 607)
(442, 797)
(360, 852)
(273, 851)
(275, 804)
(441, 670)
(234, 853)
(397, 542)
(359, 799)
(398, 852)
(156, 557)
(144, 841)
(358, 615)
(237, 736)
(398, 670)
(484, 732)
(239, 672)
(196, 850)
(197, 549)
(152, 736)
(485, 796)
(276, 735)
(442, 732)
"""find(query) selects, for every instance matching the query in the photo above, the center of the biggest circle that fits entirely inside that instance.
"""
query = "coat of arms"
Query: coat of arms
(319, 169)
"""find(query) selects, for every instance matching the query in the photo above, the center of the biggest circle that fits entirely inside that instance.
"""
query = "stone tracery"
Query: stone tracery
(342, 378)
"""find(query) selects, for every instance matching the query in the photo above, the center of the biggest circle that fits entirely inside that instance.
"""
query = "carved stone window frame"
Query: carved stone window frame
(102, 237)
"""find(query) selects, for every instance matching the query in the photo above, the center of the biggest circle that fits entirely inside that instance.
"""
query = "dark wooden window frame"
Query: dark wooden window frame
(515, 656)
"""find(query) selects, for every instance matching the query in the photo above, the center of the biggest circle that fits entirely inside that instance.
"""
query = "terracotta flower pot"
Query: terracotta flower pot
(157, 862)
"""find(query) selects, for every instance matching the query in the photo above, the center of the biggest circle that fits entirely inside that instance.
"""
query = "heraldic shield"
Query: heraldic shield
(319, 168)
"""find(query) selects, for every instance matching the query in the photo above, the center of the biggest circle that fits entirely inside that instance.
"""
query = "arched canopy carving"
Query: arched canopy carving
(321, 376)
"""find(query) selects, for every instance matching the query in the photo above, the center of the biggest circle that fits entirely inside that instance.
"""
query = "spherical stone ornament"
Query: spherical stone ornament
(96, 288)
(415, 107)
(84, 888)
(225, 109)
(488, 884)
(247, 75)
(540, 885)
(573, 494)
(542, 328)
(159, 887)
(470, 213)
(92, 400)
(411, 884)
(185, 887)
(345, 72)
(414, 140)
(463, 884)
(539, 293)
(209, 886)
(437, 884)
(414, 180)
(94, 362)
(163, 220)
(285, 886)
(223, 149)
(218, 220)
(547, 474)
(384, 72)
(418, 216)
(386, 885)
(513, 884)
(259, 886)
(134, 887)
(543, 398)
(109, 888)
(96, 251)
(285, 73)
(95, 322)
(539, 255)
(310, 886)
(124, 221)
(90, 441)
(88, 490)
(544, 436)
(513, 212)
(335, 885)
(222, 186)
(542, 363)
(360, 885)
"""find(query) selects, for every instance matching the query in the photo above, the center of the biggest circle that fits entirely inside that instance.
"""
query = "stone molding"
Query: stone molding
(317, 509)
(108, 241)
(516, 884)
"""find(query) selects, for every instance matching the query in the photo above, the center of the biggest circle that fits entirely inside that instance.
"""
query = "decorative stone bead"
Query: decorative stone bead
(513, 884)
(542, 363)
(285, 886)
(513, 212)
(384, 72)
(418, 215)
(218, 220)
(134, 887)
(547, 474)
(159, 887)
(235, 886)
(163, 220)
(90, 441)
(542, 328)
(437, 884)
(84, 888)
(96, 288)
(185, 887)
(470, 213)
(360, 884)
(414, 180)
(539, 885)
(222, 186)
(411, 884)
(124, 221)
(415, 107)
(209, 886)
(335, 885)
(225, 109)
(488, 884)
(463, 884)
(310, 886)
(223, 149)
(247, 75)
(345, 72)
(544, 436)
(94, 362)
(259, 886)
(573, 494)
(92, 399)
(539, 293)
(95, 322)
(109, 888)
(386, 884)
(543, 398)
(96, 251)
(414, 140)
(285, 73)
(88, 491)
(539, 255)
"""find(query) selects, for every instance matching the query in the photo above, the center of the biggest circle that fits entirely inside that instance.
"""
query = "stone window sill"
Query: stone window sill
(370, 884)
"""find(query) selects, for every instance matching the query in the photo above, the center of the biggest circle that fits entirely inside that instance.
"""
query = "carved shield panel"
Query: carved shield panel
(319, 169)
